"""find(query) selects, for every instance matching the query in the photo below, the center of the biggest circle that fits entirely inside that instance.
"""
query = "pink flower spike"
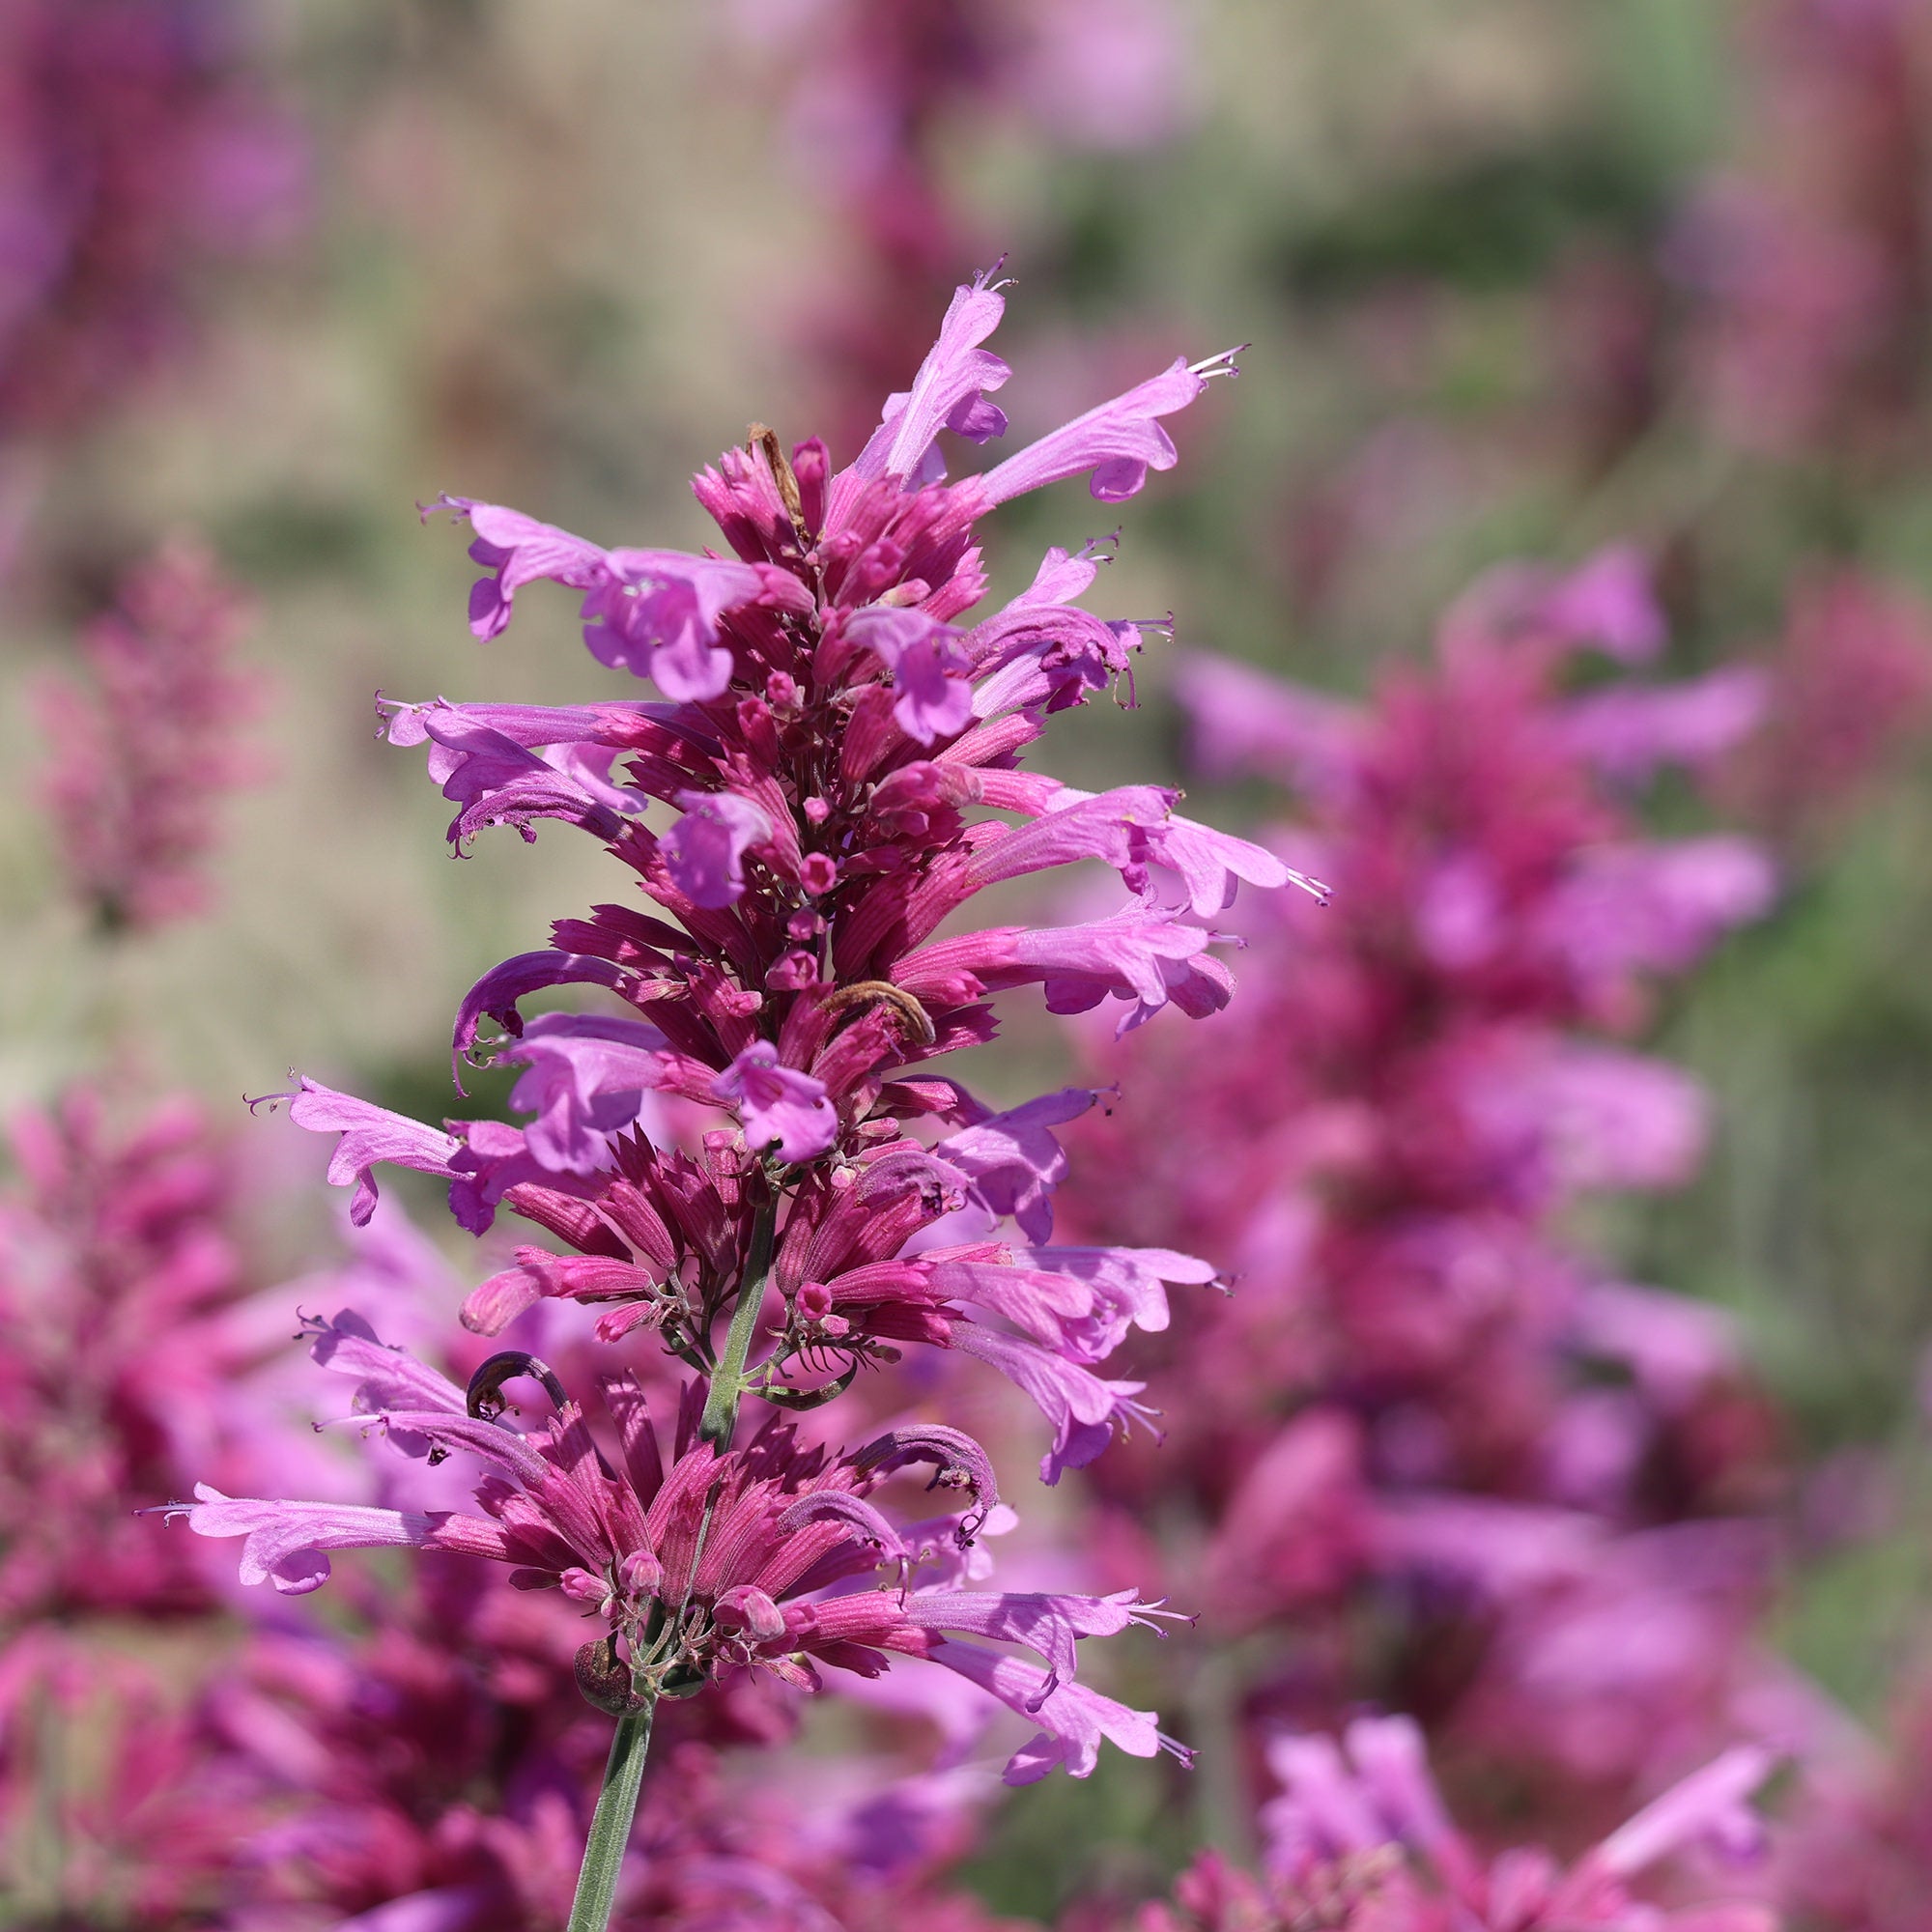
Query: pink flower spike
(777, 1104)
(706, 849)
(1119, 441)
(146, 744)
(949, 390)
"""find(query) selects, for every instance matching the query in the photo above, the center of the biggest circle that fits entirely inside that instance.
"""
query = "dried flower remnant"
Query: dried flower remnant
(145, 747)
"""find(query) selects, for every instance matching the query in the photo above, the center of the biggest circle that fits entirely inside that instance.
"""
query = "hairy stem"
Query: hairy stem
(610, 1827)
(727, 1379)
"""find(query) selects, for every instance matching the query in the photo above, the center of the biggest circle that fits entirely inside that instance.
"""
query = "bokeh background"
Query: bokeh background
(1519, 281)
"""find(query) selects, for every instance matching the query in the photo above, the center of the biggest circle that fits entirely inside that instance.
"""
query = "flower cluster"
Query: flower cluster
(1359, 1838)
(1424, 1395)
(135, 144)
(144, 748)
(831, 745)
(117, 1268)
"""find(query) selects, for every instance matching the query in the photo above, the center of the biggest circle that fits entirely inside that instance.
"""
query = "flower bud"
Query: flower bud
(641, 1574)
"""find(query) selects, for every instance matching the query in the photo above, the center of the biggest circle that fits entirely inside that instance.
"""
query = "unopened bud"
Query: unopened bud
(582, 1587)
(641, 1574)
(743, 1608)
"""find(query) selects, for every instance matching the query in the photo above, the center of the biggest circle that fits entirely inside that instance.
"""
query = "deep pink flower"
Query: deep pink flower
(1427, 1408)
(119, 1278)
(705, 851)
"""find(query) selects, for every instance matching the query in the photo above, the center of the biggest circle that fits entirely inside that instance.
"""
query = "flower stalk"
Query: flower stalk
(611, 1824)
(727, 1379)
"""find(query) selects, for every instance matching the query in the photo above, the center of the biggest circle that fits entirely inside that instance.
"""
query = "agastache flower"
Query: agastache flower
(1375, 1793)
(119, 1273)
(838, 738)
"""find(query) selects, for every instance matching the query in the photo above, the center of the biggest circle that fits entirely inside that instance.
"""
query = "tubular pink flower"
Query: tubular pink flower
(517, 550)
(370, 1135)
(1119, 441)
(1074, 1720)
(1086, 1411)
(285, 1542)
(705, 851)
(584, 1080)
(1014, 1162)
(948, 391)
(929, 669)
(497, 782)
(780, 1107)
(656, 614)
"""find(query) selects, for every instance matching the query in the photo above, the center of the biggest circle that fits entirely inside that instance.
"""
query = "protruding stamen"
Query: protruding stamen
(1223, 364)
(984, 280)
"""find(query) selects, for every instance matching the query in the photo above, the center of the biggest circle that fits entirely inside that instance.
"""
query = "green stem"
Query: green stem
(610, 1827)
(727, 1379)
